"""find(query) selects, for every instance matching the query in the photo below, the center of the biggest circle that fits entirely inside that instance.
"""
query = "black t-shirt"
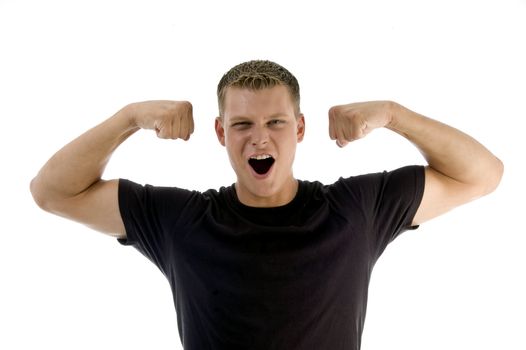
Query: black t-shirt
(289, 277)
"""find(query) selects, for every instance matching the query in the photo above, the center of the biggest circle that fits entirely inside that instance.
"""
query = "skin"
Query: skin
(459, 169)
(258, 123)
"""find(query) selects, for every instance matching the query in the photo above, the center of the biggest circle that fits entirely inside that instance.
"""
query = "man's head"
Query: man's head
(260, 125)
(258, 75)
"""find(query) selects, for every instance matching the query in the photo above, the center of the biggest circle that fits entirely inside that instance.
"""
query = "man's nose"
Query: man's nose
(259, 136)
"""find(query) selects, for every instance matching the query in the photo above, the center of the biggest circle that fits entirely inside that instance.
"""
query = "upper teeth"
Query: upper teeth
(261, 156)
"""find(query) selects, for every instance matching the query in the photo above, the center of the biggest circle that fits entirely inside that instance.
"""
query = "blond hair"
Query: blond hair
(258, 75)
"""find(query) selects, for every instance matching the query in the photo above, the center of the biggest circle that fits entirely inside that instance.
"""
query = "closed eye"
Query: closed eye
(241, 125)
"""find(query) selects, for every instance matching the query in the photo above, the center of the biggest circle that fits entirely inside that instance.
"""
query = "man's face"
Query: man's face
(260, 131)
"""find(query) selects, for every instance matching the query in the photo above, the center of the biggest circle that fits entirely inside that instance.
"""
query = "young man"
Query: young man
(270, 262)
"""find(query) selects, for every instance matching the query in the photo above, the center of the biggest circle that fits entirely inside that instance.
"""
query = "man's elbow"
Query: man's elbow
(492, 177)
(36, 193)
(39, 195)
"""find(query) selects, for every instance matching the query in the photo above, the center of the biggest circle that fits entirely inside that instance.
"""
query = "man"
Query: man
(270, 262)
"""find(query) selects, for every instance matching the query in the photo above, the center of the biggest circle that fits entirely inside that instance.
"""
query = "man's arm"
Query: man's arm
(459, 169)
(70, 183)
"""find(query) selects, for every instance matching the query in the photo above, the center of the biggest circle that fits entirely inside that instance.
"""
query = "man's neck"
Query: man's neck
(282, 197)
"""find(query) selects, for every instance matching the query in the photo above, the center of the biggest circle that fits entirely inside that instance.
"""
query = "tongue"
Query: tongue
(261, 166)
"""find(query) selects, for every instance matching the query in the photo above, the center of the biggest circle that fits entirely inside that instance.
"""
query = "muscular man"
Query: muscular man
(270, 262)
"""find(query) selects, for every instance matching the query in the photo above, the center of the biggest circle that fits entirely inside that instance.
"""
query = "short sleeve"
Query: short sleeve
(387, 201)
(398, 197)
(151, 217)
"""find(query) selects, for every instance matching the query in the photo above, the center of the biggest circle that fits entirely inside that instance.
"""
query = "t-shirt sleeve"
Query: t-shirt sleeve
(388, 202)
(151, 217)
(398, 198)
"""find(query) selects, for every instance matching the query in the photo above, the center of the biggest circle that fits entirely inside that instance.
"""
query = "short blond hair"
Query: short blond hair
(258, 75)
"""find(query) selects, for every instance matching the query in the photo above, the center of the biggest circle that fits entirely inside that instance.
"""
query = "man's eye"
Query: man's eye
(276, 122)
(241, 124)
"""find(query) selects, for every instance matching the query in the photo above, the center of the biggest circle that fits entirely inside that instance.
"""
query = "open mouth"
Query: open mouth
(261, 164)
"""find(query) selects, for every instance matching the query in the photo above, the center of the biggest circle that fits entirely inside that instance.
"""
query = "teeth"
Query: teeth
(261, 156)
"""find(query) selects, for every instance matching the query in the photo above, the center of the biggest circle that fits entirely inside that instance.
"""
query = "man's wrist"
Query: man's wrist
(402, 120)
(394, 111)
(128, 117)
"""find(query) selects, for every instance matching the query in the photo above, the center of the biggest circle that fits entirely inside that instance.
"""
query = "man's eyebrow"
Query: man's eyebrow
(238, 118)
(278, 115)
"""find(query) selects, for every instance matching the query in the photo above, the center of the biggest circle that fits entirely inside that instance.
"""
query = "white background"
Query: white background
(456, 283)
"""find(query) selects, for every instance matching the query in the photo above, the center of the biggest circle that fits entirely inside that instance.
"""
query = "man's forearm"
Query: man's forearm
(448, 150)
(80, 164)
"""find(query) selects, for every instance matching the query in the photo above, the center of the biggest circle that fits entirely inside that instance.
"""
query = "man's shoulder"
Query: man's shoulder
(169, 198)
(131, 185)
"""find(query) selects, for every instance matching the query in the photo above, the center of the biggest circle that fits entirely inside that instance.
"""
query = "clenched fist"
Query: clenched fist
(355, 120)
(169, 119)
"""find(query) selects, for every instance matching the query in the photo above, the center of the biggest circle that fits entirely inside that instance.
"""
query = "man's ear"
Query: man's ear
(220, 130)
(300, 120)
